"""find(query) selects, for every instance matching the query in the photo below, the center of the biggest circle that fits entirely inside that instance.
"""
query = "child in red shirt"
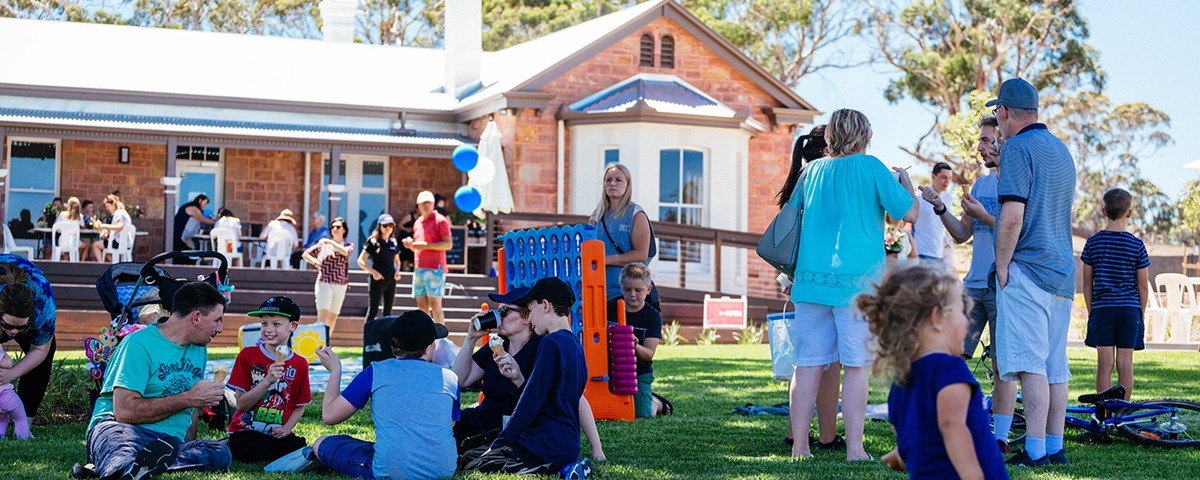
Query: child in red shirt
(272, 385)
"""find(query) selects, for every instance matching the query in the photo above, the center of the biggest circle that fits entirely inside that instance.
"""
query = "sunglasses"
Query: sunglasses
(5, 326)
(331, 227)
(503, 311)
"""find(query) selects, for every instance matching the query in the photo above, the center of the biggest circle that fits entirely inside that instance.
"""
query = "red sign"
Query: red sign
(725, 312)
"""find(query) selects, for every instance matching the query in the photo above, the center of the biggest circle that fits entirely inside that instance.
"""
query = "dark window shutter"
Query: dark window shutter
(666, 57)
(647, 54)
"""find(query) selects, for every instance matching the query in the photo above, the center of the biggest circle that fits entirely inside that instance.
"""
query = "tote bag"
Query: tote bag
(783, 350)
(780, 244)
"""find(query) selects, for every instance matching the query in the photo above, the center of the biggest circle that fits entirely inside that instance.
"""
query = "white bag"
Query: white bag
(783, 352)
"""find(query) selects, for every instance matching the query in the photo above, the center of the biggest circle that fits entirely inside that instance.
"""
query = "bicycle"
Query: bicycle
(1166, 423)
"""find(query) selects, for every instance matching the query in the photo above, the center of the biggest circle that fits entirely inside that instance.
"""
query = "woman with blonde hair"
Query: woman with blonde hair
(844, 199)
(120, 221)
(624, 228)
(72, 212)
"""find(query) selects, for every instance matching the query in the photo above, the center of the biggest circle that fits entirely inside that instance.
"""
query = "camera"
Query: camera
(488, 320)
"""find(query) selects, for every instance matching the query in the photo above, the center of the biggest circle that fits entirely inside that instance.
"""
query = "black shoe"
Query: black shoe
(1021, 459)
(837, 444)
(154, 459)
(667, 408)
(83, 471)
(1059, 458)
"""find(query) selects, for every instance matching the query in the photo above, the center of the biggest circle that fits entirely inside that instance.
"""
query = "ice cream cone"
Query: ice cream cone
(220, 372)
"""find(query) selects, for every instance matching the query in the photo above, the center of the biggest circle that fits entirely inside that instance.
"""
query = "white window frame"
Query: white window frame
(353, 182)
(705, 193)
(8, 190)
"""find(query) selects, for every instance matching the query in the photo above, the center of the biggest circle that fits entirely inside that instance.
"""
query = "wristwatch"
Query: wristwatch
(939, 212)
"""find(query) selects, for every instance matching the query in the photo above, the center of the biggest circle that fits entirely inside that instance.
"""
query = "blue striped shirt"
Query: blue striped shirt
(1115, 258)
(1037, 170)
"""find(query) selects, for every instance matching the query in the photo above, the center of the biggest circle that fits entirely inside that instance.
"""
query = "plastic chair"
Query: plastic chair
(1180, 304)
(123, 251)
(66, 240)
(224, 240)
(10, 245)
(279, 250)
(1155, 316)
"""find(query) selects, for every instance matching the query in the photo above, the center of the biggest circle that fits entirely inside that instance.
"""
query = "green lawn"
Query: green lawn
(704, 440)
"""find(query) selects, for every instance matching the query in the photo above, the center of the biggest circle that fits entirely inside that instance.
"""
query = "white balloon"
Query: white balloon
(483, 173)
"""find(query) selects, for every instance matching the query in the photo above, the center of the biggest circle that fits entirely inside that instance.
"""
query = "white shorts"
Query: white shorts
(1031, 329)
(824, 334)
(330, 297)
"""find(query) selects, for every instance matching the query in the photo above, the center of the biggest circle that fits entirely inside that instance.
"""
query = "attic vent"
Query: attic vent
(666, 57)
(647, 56)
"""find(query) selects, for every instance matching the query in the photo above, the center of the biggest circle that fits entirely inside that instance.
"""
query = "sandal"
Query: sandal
(667, 408)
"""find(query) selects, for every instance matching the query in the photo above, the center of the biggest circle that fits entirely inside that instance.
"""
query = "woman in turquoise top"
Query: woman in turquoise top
(845, 197)
(625, 230)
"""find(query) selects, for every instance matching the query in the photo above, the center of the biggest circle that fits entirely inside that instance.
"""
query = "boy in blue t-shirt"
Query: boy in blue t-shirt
(1115, 288)
(414, 404)
(542, 436)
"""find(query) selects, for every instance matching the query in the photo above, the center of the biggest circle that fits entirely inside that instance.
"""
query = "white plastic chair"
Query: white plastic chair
(1180, 305)
(279, 250)
(1155, 316)
(66, 240)
(10, 244)
(123, 251)
(224, 241)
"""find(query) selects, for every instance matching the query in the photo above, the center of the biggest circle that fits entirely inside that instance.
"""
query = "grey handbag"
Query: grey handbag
(780, 244)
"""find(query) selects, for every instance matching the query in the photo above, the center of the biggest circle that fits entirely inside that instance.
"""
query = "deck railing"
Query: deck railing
(717, 239)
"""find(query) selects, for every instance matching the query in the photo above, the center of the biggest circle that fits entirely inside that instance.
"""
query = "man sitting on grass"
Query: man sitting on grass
(414, 404)
(542, 436)
(145, 420)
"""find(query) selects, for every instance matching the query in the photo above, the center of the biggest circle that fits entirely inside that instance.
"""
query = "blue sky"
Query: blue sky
(1148, 49)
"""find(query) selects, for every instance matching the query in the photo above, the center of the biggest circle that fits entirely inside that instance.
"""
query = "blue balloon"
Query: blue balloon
(465, 157)
(467, 198)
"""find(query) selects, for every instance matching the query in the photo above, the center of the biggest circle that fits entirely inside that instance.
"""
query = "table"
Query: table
(46, 232)
(203, 241)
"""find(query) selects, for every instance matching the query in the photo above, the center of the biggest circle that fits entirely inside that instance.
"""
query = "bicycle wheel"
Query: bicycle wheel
(1177, 425)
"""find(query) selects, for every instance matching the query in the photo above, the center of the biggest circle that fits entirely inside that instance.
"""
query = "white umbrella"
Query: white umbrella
(495, 191)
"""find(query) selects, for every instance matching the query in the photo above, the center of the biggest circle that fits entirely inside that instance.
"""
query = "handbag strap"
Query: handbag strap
(799, 190)
(604, 225)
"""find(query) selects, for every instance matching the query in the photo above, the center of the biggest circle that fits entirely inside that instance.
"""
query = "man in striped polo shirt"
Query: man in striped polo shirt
(1035, 269)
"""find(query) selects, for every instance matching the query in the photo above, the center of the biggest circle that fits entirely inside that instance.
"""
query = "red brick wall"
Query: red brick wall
(261, 183)
(409, 176)
(90, 171)
(531, 139)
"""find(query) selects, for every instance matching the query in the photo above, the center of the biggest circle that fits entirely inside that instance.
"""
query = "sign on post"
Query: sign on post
(725, 312)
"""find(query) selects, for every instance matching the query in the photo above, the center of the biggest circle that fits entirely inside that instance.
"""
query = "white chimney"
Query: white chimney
(337, 20)
(464, 45)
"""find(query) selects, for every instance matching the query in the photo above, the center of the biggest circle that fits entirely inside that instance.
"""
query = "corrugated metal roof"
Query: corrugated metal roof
(665, 93)
(175, 125)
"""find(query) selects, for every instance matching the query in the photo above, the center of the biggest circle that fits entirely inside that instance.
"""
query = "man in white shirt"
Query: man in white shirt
(929, 235)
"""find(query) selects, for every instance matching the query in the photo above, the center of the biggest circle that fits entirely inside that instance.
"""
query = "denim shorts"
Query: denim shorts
(347, 455)
(823, 334)
(428, 282)
(983, 314)
(1031, 329)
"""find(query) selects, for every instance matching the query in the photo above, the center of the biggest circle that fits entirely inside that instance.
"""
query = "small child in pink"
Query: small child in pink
(11, 406)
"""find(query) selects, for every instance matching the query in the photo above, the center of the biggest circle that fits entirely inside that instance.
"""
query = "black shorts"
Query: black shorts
(1121, 327)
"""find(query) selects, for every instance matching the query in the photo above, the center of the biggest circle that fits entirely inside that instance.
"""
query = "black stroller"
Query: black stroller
(127, 290)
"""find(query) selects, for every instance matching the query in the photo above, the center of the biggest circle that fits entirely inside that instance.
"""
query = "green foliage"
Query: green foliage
(671, 334)
(1187, 228)
(509, 22)
(1108, 143)
(751, 335)
(708, 337)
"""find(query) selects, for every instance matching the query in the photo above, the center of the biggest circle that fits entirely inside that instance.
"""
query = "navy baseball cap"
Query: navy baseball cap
(415, 330)
(278, 305)
(1016, 93)
(552, 289)
(511, 297)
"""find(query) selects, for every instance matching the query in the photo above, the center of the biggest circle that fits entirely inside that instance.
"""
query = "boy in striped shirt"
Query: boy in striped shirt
(1115, 289)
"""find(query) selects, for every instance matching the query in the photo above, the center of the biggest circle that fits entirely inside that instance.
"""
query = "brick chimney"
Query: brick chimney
(464, 46)
(337, 20)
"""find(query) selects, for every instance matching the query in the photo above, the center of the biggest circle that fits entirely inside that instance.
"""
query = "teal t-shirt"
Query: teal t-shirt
(148, 363)
(841, 238)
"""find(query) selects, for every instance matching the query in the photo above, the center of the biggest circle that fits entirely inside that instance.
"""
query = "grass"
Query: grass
(704, 439)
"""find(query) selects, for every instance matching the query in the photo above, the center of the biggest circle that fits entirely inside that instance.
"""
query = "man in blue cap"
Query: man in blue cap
(1035, 270)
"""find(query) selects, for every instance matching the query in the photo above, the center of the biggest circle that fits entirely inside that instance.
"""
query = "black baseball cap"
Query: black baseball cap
(278, 305)
(552, 289)
(511, 297)
(414, 330)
